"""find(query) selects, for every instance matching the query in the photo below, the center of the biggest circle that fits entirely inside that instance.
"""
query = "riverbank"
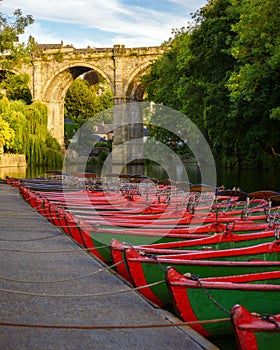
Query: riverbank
(12, 165)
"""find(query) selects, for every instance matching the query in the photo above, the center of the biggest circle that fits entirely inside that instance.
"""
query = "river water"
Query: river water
(247, 180)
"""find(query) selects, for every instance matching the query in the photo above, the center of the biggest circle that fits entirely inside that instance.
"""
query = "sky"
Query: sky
(103, 23)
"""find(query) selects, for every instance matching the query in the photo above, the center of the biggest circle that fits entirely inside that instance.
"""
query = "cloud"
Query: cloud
(139, 22)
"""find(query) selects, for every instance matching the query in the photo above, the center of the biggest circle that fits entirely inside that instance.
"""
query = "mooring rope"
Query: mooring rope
(271, 319)
(137, 326)
(221, 307)
(65, 279)
(31, 239)
(25, 227)
(36, 228)
(27, 216)
(81, 295)
(16, 216)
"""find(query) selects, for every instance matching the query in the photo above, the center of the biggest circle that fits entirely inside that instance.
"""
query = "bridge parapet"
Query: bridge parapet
(71, 52)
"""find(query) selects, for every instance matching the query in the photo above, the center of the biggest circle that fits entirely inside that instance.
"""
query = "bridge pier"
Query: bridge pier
(128, 136)
(55, 124)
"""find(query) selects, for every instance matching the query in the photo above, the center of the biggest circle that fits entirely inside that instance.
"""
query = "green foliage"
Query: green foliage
(106, 101)
(7, 134)
(80, 101)
(224, 75)
(69, 131)
(11, 52)
(16, 87)
(58, 56)
(23, 125)
(84, 102)
(29, 134)
(275, 113)
(164, 79)
(13, 114)
(254, 83)
(17, 122)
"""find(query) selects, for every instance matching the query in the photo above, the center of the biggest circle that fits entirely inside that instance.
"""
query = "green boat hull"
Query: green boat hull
(150, 270)
(205, 309)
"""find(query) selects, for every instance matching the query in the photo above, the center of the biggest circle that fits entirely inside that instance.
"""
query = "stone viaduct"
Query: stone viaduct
(54, 68)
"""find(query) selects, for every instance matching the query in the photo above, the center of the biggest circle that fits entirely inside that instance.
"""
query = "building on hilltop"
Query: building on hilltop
(55, 47)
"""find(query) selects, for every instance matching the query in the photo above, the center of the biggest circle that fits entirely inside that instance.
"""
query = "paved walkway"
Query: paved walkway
(30, 264)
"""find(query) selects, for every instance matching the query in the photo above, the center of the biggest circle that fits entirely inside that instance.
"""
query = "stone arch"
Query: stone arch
(64, 77)
(134, 89)
(54, 94)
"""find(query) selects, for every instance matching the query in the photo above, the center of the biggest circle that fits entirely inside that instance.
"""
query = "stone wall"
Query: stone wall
(12, 160)
(12, 165)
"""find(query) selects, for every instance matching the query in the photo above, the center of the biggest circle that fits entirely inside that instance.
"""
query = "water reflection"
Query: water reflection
(19, 172)
(248, 180)
(188, 172)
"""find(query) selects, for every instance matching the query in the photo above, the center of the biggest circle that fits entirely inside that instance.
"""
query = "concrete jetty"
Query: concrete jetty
(55, 295)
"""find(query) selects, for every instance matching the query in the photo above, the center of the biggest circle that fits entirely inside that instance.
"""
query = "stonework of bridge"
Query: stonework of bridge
(53, 71)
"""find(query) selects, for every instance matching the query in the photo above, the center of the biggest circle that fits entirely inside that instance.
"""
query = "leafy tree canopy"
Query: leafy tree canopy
(223, 74)
(11, 51)
(84, 101)
(7, 135)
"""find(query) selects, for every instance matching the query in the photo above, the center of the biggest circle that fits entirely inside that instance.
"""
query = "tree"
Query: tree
(7, 135)
(80, 101)
(224, 76)
(83, 101)
(254, 84)
(16, 87)
(163, 81)
(191, 76)
(24, 130)
(203, 90)
(11, 51)
(163, 86)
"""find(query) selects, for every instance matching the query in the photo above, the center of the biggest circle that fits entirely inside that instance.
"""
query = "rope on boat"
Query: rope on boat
(137, 326)
(65, 279)
(196, 278)
(153, 256)
(81, 295)
(271, 319)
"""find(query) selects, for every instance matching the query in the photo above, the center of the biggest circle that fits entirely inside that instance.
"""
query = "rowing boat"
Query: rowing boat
(148, 221)
(147, 269)
(197, 299)
(225, 240)
(255, 331)
(86, 202)
(50, 211)
(100, 229)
